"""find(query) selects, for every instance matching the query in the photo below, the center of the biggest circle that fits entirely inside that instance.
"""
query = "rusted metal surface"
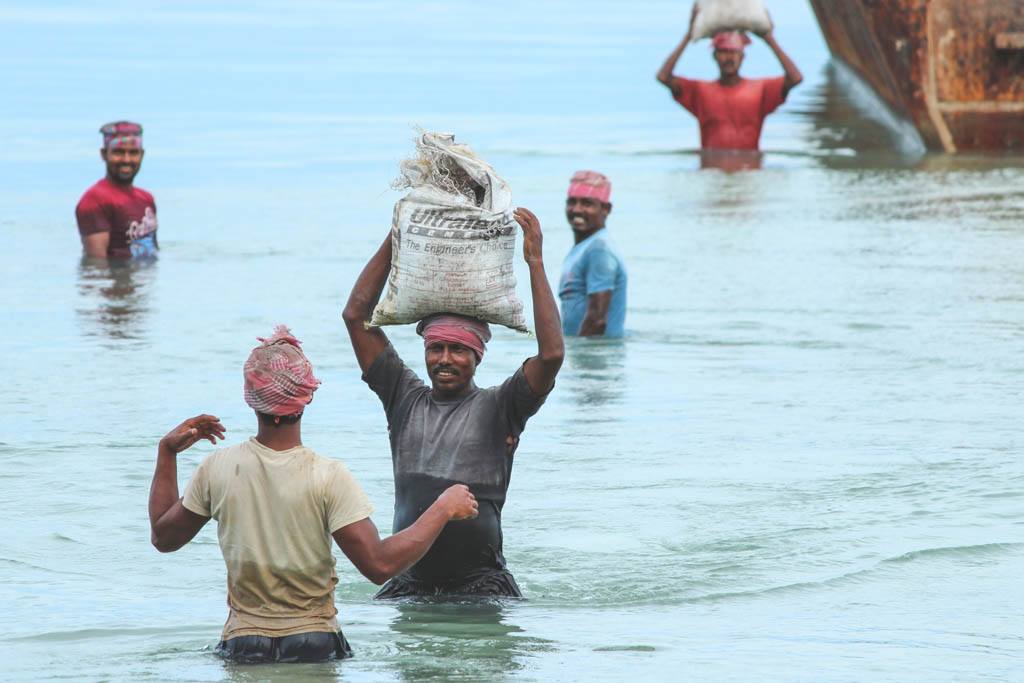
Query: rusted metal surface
(952, 67)
(1010, 41)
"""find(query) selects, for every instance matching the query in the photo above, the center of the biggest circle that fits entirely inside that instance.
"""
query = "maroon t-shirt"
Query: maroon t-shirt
(127, 213)
(731, 116)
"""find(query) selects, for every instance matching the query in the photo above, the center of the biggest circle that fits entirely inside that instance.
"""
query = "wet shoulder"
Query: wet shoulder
(326, 464)
(602, 241)
(96, 195)
(224, 459)
(144, 196)
(331, 473)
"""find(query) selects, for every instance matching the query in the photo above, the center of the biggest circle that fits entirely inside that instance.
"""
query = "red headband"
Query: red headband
(591, 184)
(122, 134)
(459, 329)
(278, 377)
(730, 40)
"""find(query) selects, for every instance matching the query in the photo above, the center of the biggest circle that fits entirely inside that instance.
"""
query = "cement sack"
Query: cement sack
(730, 15)
(453, 240)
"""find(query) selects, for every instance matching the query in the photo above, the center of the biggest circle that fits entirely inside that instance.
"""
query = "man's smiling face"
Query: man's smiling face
(451, 367)
(123, 163)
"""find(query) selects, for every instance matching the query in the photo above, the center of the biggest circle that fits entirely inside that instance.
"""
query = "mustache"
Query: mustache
(450, 368)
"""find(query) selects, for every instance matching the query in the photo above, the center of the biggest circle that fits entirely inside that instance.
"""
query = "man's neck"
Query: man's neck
(729, 81)
(463, 393)
(119, 183)
(280, 437)
(580, 237)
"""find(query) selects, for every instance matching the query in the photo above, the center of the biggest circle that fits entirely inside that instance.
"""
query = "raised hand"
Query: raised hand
(693, 19)
(533, 240)
(191, 430)
(458, 502)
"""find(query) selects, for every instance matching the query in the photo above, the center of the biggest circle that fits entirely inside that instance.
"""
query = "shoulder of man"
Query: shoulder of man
(333, 468)
(387, 360)
(225, 455)
(144, 195)
(602, 243)
(767, 81)
(680, 81)
(343, 497)
(94, 196)
(516, 378)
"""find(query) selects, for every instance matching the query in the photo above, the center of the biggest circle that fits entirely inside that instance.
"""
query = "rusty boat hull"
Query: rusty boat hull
(953, 68)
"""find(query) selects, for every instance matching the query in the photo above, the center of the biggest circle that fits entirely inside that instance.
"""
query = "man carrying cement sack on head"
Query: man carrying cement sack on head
(731, 110)
(453, 431)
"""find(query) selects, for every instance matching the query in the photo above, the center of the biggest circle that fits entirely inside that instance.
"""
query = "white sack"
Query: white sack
(453, 240)
(730, 15)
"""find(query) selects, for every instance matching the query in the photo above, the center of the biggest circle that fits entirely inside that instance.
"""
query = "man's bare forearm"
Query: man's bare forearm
(546, 321)
(400, 551)
(665, 73)
(793, 75)
(595, 321)
(163, 493)
(367, 343)
(593, 326)
(379, 560)
(369, 285)
(96, 244)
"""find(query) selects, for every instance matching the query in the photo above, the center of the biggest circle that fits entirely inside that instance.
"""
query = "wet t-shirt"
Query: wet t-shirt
(436, 443)
(730, 117)
(128, 213)
(590, 267)
(276, 512)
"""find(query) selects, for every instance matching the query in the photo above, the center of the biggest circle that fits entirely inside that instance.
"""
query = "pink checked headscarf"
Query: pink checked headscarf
(590, 184)
(122, 134)
(730, 40)
(459, 329)
(278, 378)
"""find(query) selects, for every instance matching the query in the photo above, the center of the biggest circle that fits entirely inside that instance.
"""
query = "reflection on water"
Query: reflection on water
(852, 128)
(731, 160)
(466, 640)
(259, 673)
(115, 297)
(598, 370)
(853, 125)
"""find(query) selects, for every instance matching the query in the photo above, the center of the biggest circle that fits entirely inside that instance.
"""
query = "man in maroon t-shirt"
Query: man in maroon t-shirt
(732, 109)
(115, 218)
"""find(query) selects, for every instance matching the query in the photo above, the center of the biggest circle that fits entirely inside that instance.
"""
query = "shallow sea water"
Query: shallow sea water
(804, 462)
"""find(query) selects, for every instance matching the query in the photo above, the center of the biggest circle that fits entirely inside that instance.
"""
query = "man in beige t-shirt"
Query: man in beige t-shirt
(277, 505)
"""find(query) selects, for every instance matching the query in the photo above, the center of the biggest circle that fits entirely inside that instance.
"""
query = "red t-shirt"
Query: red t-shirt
(127, 213)
(730, 117)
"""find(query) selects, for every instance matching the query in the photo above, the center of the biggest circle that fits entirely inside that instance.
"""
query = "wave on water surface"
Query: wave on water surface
(95, 633)
(590, 595)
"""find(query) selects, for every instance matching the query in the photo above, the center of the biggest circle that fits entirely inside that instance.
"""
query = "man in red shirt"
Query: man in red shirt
(115, 218)
(732, 109)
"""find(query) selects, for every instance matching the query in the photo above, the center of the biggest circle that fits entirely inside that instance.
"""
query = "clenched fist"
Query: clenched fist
(458, 502)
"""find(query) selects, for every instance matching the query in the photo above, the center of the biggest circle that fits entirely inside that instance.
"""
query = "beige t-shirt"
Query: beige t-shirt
(275, 512)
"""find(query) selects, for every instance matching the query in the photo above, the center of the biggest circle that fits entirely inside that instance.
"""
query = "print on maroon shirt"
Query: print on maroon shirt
(127, 213)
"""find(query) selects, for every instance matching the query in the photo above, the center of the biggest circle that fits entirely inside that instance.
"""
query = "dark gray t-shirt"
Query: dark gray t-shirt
(437, 443)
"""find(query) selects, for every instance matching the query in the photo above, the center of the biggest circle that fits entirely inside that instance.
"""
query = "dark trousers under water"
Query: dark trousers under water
(498, 583)
(301, 647)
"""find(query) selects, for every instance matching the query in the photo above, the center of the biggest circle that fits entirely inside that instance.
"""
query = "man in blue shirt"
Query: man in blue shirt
(593, 285)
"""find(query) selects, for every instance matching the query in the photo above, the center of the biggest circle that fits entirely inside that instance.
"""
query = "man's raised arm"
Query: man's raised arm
(665, 76)
(368, 342)
(541, 369)
(793, 75)
(171, 523)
